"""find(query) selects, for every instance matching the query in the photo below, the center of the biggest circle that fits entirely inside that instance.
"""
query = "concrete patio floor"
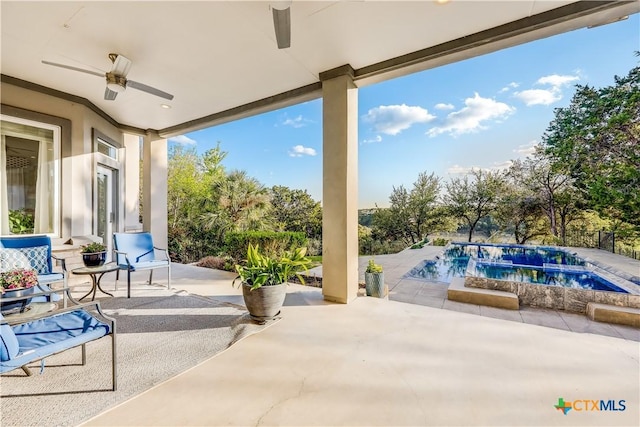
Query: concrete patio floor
(385, 362)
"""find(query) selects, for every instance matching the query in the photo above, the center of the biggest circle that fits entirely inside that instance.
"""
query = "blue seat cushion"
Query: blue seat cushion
(145, 265)
(9, 346)
(44, 337)
(50, 278)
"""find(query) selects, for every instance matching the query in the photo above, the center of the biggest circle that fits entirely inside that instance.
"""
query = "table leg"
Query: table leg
(100, 287)
(93, 288)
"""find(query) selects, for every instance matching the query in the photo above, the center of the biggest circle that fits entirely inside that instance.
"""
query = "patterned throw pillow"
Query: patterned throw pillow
(34, 257)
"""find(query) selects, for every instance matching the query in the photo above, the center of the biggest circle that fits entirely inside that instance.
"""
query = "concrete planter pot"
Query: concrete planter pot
(374, 284)
(265, 302)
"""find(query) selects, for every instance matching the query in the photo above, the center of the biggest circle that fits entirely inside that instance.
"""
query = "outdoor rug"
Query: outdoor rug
(158, 337)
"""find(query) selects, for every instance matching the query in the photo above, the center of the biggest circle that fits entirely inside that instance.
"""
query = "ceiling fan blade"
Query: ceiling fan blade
(69, 67)
(282, 26)
(109, 94)
(152, 90)
(121, 65)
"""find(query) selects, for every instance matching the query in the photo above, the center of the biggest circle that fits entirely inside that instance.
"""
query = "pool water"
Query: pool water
(516, 263)
(517, 254)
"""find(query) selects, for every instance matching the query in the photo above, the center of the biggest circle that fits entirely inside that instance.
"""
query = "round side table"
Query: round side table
(96, 274)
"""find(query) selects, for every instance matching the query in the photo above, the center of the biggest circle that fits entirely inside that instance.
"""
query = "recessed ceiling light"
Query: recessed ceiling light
(442, 1)
(165, 106)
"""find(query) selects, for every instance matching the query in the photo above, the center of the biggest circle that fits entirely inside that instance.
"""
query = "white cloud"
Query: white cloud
(470, 119)
(539, 96)
(301, 150)
(556, 80)
(297, 122)
(393, 119)
(546, 96)
(526, 149)
(508, 87)
(377, 138)
(442, 106)
(181, 139)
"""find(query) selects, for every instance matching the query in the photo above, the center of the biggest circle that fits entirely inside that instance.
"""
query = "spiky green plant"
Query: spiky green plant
(262, 270)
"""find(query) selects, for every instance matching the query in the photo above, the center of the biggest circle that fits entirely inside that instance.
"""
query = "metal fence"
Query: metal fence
(605, 240)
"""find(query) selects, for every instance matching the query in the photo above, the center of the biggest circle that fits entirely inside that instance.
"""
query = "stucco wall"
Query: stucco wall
(77, 165)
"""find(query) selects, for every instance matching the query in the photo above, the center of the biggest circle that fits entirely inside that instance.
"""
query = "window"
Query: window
(106, 148)
(29, 177)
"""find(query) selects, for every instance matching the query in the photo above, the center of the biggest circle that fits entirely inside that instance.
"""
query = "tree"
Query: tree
(184, 184)
(189, 183)
(411, 215)
(519, 207)
(470, 200)
(597, 137)
(295, 210)
(552, 187)
(243, 203)
(422, 204)
(391, 223)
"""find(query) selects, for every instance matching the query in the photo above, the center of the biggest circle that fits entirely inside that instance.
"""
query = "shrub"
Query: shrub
(190, 243)
(216, 262)
(21, 222)
(440, 241)
(271, 243)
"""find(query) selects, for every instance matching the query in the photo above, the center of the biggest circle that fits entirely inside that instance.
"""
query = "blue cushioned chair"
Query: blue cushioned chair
(135, 252)
(33, 252)
(26, 340)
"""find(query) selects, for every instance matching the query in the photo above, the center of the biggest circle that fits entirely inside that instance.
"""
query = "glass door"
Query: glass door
(105, 209)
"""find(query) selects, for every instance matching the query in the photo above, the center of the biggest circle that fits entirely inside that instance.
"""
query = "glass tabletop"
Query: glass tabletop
(32, 310)
(105, 268)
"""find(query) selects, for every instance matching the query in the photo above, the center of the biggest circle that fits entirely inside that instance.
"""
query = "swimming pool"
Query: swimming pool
(539, 265)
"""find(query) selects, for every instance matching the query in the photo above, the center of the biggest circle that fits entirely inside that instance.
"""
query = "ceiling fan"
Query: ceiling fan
(281, 11)
(116, 78)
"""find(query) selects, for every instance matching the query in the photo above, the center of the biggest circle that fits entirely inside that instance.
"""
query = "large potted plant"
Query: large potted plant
(17, 283)
(264, 278)
(374, 280)
(94, 254)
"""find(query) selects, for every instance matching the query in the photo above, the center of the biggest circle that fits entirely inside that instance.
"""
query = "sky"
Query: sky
(483, 113)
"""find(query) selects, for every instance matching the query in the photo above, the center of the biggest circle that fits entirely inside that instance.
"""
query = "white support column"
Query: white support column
(154, 189)
(132, 183)
(340, 185)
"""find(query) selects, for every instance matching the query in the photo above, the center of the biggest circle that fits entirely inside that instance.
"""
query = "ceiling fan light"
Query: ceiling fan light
(116, 83)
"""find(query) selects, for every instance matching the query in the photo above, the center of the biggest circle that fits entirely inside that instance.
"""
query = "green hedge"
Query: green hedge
(270, 242)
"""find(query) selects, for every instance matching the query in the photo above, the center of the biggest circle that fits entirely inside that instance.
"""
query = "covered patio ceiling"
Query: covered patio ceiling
(220, 60)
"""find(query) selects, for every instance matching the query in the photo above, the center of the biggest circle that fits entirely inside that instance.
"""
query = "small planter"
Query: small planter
(94, 259)
(265, 302)
(16, 306)
(374, 284)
